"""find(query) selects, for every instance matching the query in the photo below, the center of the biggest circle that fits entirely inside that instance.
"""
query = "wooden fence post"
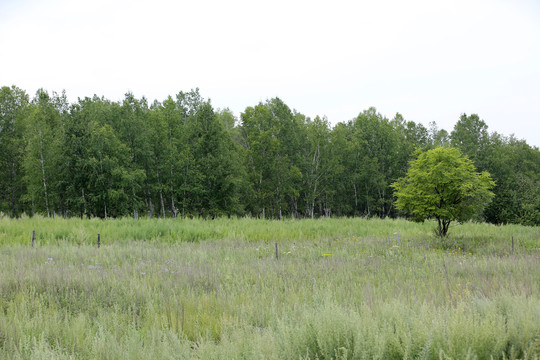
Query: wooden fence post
(98, 241)
(277, 256)
(512, 244)
(33, 237)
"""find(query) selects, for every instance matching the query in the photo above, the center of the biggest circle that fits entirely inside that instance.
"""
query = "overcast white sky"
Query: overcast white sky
(429, 60)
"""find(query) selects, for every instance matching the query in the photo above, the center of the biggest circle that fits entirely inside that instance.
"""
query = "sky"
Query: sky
(428, 60)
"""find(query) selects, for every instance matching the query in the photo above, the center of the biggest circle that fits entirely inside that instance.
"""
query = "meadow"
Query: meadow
(339, 289)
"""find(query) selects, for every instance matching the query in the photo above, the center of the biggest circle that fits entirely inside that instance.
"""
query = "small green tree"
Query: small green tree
(443, 184)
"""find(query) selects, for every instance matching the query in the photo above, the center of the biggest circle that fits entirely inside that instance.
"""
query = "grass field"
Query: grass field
(341, 289)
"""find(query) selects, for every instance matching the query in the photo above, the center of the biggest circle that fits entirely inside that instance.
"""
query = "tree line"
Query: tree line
(183, 158)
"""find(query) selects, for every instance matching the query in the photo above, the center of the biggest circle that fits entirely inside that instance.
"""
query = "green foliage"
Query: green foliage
(443, 184)
(515, 167)
(372, 153)
(13, 108)
(269, 132)
(319, 166)
(470, 135)
(182, 158)
(43, 156)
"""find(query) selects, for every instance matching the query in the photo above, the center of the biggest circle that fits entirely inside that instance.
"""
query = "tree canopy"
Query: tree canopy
(181, 157)
(443, 184)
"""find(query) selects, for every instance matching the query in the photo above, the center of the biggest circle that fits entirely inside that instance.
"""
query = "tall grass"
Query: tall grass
(341, 289)
(477, 237)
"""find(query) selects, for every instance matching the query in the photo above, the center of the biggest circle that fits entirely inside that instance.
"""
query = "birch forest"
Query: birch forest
(182, 157)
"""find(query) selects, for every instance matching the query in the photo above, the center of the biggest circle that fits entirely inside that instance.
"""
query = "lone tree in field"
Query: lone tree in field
(443, 184)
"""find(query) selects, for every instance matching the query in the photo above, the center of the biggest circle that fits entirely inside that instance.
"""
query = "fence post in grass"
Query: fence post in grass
(98, 240)
(277, 256)
(33, 237)
(512, 244)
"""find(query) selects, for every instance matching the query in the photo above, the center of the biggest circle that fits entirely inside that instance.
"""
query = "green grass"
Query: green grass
(484, 238)
(341, 289)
